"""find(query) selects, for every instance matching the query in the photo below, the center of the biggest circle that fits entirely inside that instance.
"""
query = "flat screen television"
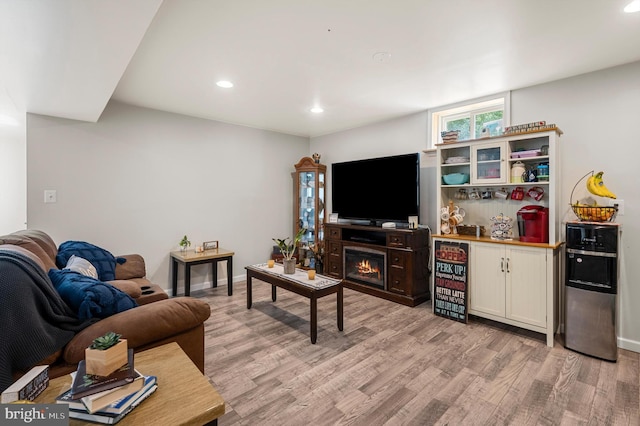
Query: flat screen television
(385, 189)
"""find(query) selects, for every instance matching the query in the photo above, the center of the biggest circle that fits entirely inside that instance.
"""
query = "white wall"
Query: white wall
(596, 111)
(139, 179)
(13, 174)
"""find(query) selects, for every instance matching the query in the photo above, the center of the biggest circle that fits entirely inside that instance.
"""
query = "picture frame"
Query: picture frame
(333, 218)
(210, 245)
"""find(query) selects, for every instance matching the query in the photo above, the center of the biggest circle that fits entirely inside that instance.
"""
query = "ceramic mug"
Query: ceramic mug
(501, 193)
(445, 216)
(445, 228)
(474, 194)
(455, 219)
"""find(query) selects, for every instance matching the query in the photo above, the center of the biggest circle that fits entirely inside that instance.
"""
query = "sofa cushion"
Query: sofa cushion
(102, 259)
(42, 239)
(81, 266)
(89, 297)
(130, 287)
(27, 243)
(134, 267)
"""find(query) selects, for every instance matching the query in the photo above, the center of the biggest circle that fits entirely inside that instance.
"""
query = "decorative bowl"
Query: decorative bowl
(455, 178)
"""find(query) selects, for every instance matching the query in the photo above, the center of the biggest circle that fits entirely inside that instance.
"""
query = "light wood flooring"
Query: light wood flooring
(395, 365)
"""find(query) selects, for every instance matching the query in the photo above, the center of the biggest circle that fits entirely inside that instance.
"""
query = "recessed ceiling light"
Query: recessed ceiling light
(383, 57)
(225, 84)
(317, 110)
(632, 7)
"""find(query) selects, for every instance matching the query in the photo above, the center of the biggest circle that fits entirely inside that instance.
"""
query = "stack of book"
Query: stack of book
(106, 399)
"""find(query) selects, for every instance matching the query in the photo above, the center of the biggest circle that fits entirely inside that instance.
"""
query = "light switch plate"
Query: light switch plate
(620, 204)
(50, 196)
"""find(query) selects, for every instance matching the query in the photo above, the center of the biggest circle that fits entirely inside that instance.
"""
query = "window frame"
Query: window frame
(437, 117)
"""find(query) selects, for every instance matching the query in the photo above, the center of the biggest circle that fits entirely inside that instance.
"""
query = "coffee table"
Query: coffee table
(184, 395)
(190, 257)
(299, 284)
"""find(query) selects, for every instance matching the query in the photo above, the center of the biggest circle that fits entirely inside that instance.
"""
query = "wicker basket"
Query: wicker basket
(469, 230)
(592, 213)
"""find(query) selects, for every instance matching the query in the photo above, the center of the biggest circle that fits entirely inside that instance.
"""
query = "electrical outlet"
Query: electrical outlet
(620, 204)
(50, 196)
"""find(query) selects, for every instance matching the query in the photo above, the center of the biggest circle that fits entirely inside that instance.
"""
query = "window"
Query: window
(474, 119)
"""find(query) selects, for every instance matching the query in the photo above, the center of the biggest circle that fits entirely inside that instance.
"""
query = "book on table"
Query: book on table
(27, 387)
(87, 384)
(97, 401)
(118, 406)
(111, 418)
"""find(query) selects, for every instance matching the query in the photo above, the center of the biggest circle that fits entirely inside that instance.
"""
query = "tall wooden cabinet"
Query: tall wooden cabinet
(309, 213)
(508, 281)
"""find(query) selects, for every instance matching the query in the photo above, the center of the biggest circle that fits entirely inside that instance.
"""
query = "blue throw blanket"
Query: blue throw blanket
(35, 321)
(89, 297)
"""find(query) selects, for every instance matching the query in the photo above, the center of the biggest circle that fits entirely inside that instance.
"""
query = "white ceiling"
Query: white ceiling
(67, 58)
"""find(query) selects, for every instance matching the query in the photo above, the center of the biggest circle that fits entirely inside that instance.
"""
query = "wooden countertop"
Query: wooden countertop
(485, 239)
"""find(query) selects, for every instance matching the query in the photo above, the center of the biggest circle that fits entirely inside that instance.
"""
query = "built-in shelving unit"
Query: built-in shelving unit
(508, 281)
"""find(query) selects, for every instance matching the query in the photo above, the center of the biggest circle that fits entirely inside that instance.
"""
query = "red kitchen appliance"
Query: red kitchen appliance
(533, 224)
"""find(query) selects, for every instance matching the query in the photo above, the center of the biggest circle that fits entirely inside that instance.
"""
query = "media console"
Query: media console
(393, 263)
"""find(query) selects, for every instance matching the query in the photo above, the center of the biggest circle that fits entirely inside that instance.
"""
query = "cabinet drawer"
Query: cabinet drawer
(397, 281)
(396, 240)
(334, 233)
(398, 259)
(334, 267)
(334, 249)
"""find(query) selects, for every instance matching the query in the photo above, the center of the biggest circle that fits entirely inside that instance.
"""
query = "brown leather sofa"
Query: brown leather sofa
(156, 321)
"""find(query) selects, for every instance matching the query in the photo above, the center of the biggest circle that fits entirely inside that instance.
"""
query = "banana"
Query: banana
(596, 186)
(591, 185)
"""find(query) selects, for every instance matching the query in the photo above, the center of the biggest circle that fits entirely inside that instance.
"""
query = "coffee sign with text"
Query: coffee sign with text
(450, 280)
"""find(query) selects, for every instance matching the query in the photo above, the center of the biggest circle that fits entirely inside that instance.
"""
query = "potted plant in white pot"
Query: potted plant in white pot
(288, 248)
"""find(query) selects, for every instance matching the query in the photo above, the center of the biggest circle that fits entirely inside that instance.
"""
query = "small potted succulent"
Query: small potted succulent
(288, 248)
(184, 243)
(106, 354)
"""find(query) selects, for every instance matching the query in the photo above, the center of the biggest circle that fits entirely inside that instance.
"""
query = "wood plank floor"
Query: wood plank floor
(395, 365)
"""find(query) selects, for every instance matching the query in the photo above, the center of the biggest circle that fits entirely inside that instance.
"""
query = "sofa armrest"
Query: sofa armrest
(132, 288)
(143, 325)
(134, 267)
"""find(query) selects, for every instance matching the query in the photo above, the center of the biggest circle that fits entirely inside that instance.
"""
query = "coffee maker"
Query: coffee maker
(533, 224)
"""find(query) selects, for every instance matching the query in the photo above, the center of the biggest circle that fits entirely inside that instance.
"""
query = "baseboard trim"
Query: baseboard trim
(630, 345)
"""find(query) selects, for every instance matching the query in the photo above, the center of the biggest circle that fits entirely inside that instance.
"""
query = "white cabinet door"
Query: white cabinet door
(487, 279)
(489, 164)
(526, 285)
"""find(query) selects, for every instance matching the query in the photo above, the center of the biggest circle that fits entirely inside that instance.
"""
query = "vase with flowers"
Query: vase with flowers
(317, 251)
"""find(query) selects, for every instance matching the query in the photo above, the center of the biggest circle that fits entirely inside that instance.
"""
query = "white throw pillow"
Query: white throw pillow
(82, 266)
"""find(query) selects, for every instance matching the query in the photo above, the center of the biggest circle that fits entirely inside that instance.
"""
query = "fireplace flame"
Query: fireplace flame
(365, 268)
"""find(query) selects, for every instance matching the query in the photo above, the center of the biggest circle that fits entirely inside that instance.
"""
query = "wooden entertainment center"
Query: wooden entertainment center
(406, 257)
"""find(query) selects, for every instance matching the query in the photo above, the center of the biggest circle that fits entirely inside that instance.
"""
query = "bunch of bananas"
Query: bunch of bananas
(597, 187)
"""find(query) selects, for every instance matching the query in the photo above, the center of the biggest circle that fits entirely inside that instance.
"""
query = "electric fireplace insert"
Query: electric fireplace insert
(365, 266)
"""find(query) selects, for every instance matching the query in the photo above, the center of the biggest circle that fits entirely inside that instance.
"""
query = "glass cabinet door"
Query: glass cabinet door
(310, 193)
(306, 205)
(490, 165)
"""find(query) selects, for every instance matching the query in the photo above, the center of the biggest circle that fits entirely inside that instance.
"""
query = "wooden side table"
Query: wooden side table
(184, 395)
(190, 257)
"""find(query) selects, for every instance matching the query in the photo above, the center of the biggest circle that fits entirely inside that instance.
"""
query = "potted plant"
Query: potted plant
(106, 354)
(184, 243)
(288, 248)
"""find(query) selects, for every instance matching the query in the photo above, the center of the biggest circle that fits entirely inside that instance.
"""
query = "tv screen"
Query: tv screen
(377, 189)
